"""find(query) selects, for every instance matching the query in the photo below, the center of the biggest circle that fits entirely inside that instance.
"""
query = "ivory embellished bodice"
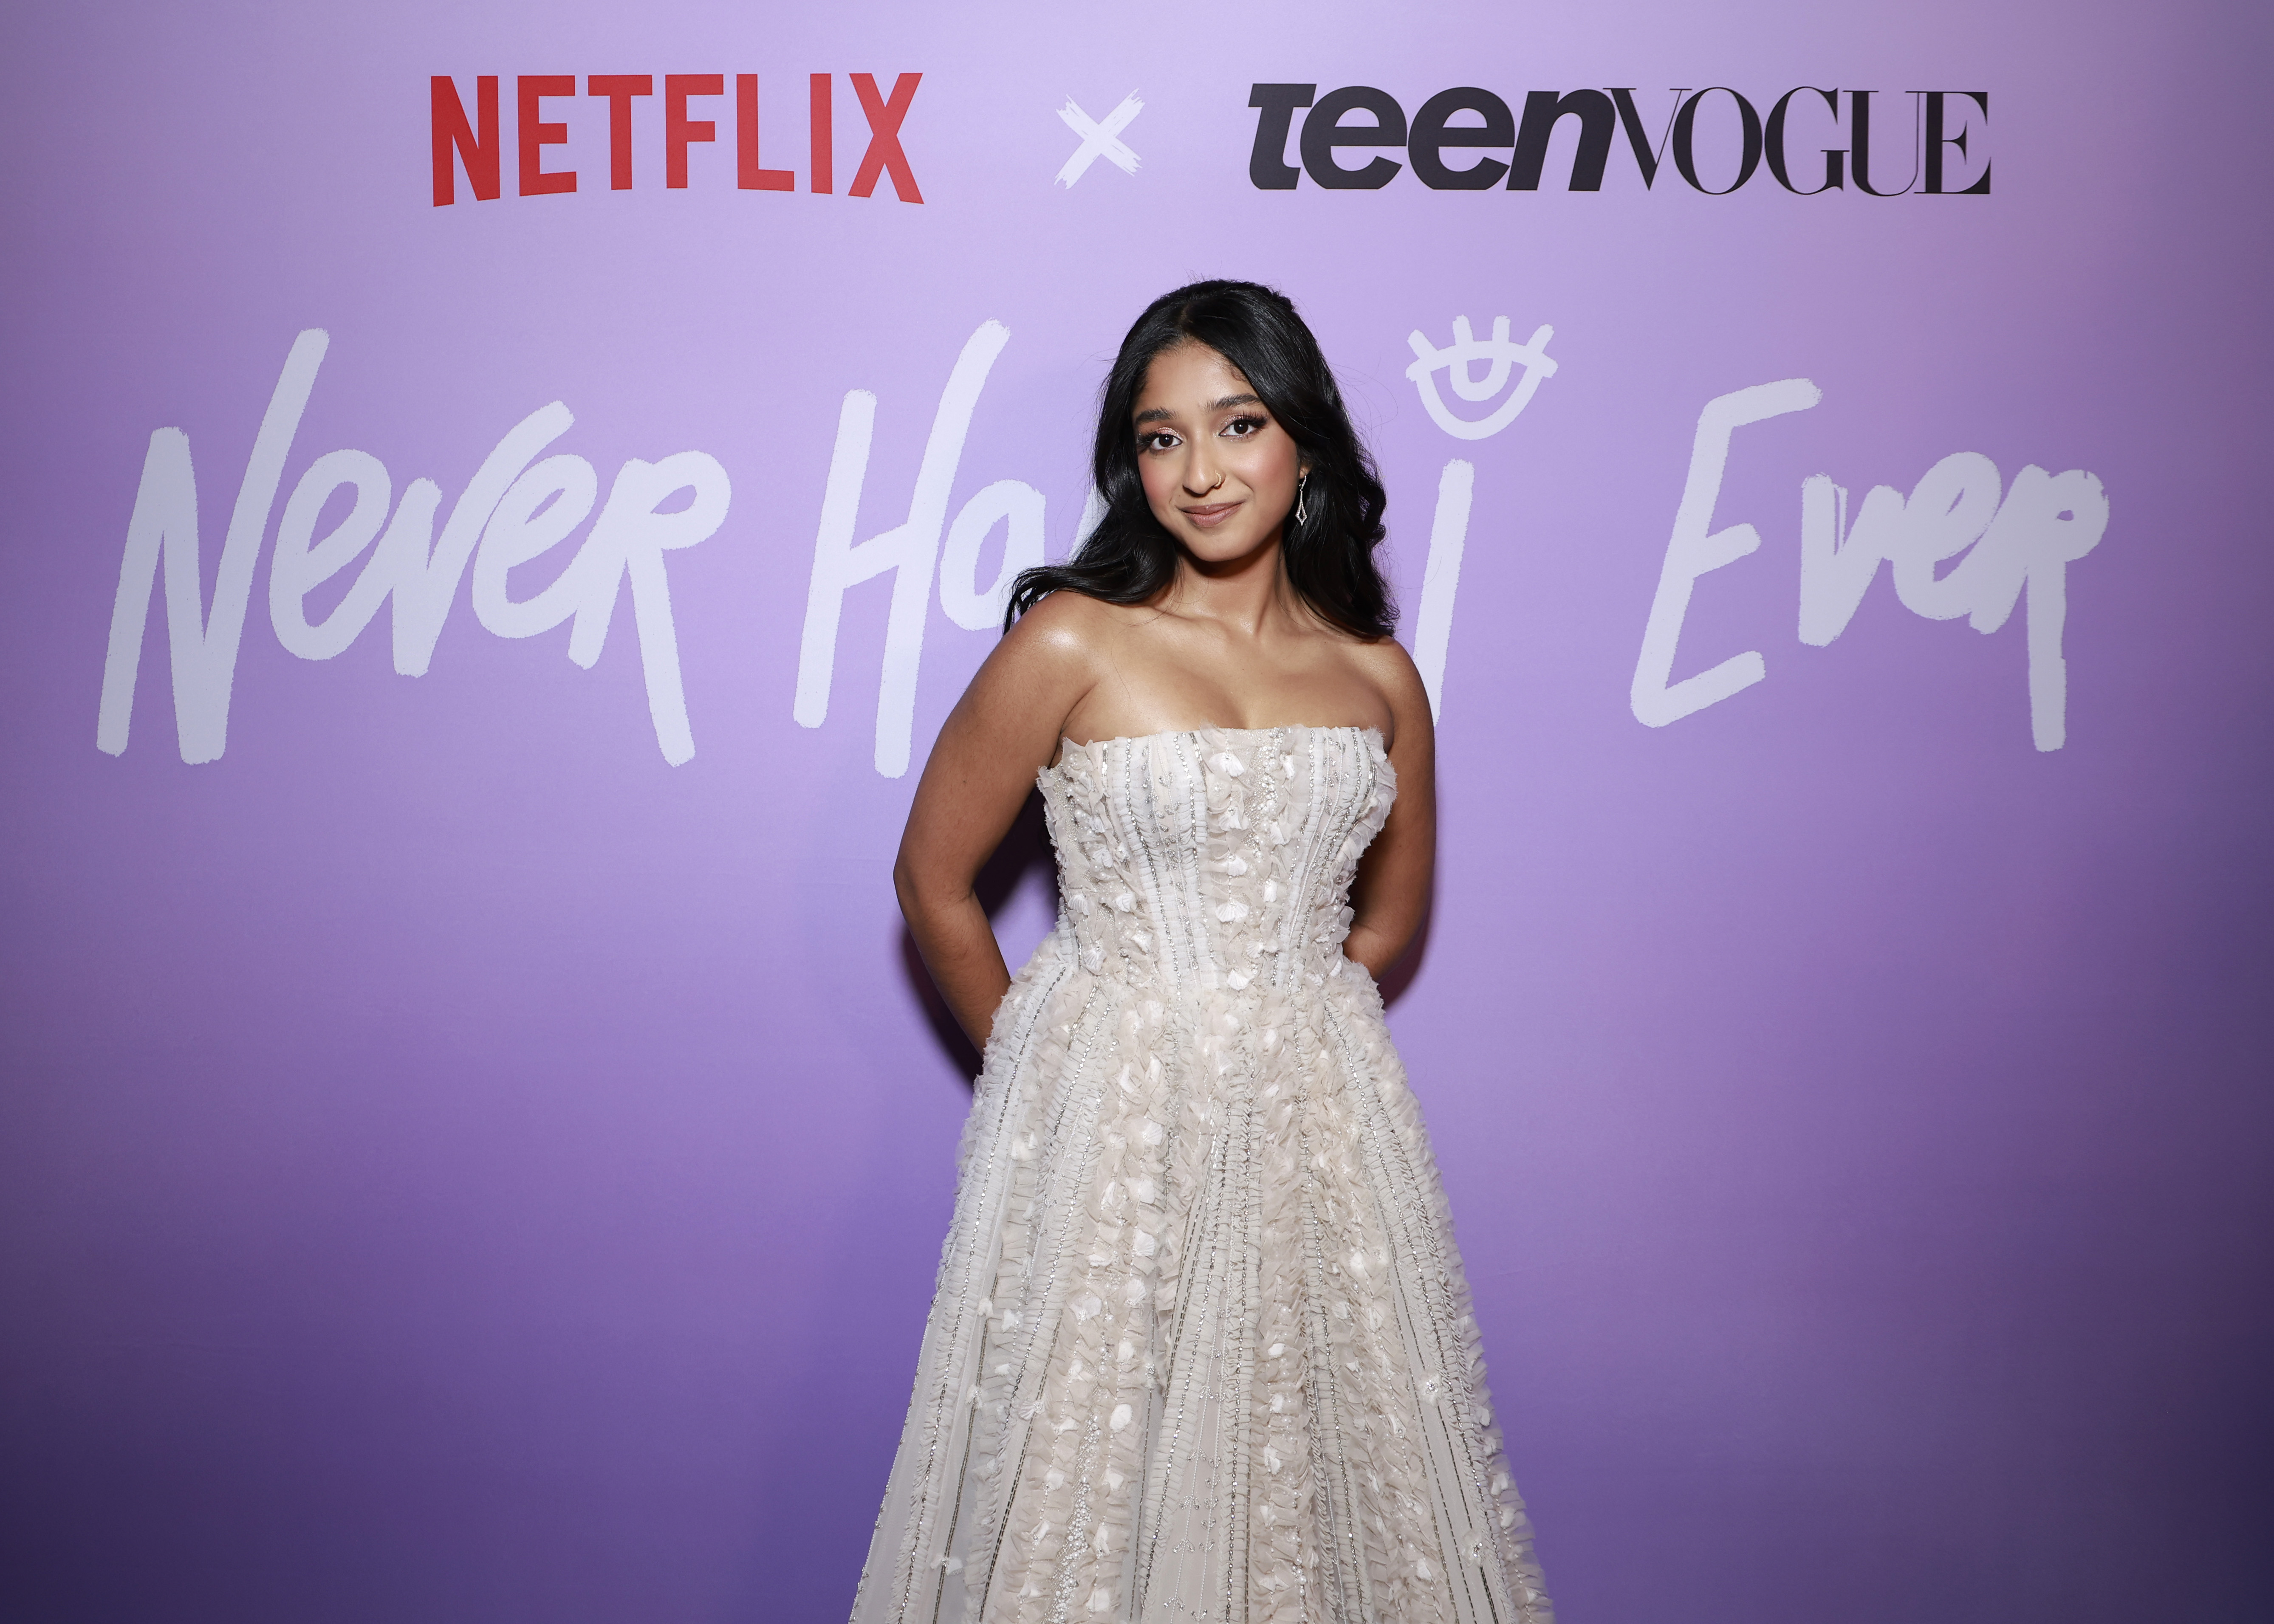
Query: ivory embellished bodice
(1214, 860)
(1201, 1348)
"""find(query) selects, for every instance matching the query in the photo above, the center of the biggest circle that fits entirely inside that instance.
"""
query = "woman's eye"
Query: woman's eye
(1161, 440)
(1240, 428)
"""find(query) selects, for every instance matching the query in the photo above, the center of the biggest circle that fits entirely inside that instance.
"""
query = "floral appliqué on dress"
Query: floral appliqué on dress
(1201, 1348)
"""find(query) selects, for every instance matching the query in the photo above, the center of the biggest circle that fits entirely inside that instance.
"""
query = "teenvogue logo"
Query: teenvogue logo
(1810, 140)
(545, 104)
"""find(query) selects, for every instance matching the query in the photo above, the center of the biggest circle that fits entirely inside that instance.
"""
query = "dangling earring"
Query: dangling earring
(1301, 480)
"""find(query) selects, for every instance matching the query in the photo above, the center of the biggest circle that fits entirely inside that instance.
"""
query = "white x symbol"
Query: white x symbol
(1099, 140)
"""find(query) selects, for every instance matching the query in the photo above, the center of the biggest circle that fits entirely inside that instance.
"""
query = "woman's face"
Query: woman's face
(1219, 472)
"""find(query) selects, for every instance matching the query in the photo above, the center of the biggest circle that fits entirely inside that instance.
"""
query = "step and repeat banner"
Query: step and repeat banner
(502, 497)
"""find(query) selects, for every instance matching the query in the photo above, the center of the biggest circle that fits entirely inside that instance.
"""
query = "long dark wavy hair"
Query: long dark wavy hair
(1328, 555)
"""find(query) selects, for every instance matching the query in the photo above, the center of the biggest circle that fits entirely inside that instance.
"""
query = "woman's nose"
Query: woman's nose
(1201, 472)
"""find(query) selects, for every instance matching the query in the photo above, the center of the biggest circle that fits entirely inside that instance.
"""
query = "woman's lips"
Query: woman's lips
(1212, 516)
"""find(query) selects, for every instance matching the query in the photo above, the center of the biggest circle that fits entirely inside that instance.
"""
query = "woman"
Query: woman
(1201, 1349)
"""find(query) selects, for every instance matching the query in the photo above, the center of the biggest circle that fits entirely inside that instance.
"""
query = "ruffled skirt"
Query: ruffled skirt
(1201, 1347)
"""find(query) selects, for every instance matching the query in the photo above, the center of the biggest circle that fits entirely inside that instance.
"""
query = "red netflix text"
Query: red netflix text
(544, 102)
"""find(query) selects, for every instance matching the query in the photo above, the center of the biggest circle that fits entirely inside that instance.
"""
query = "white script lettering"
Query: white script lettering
(1695, 549)
(1440, 579)
(509, 514)
(910, 550)
(2012, 539)
(165, 521)
(2044, 523)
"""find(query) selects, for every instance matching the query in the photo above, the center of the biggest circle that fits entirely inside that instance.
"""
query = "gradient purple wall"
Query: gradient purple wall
(457, 1166)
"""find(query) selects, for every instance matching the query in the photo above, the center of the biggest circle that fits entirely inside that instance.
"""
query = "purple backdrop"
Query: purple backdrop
(458, 1165)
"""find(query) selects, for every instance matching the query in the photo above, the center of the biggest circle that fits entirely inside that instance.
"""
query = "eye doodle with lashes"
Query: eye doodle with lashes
(1448, 528)
(1499, 356)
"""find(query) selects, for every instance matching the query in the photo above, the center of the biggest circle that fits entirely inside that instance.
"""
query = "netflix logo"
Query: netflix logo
(469, 142)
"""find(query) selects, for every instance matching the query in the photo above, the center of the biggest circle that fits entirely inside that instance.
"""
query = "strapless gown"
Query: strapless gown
(1201, 1346)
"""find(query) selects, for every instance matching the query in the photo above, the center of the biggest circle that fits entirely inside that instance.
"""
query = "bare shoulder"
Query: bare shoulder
(1047, 662)
(1072, 634)
(1064, 612)
(1389, 670)
(1389, 667)
(1066, 624)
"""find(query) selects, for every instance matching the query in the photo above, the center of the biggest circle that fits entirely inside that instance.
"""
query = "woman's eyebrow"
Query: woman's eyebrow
(1161, 414)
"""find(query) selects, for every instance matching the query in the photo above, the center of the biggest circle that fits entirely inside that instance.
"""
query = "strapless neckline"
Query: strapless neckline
(1360, 730)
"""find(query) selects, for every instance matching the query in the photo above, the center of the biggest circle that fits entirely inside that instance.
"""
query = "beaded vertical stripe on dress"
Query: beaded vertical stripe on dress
(1201, 1348)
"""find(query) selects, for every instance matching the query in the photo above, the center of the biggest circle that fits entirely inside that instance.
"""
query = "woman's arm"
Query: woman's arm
(1391, 896)
(1003, 732)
